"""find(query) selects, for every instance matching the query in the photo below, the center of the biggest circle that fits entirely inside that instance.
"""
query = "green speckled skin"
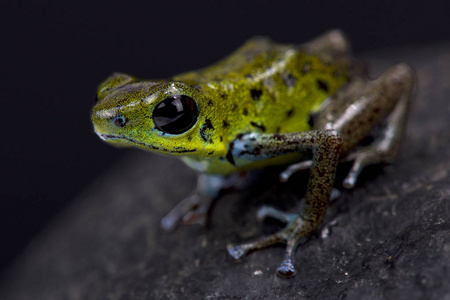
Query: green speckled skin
(262, 87)
(265, 104)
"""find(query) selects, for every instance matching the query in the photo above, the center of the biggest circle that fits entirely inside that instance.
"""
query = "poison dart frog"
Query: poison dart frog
(265, 104)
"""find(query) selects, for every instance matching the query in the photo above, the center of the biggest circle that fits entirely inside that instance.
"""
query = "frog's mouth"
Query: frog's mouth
(112, 138)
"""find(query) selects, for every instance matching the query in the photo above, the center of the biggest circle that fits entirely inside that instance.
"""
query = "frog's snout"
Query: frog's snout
(99, 133)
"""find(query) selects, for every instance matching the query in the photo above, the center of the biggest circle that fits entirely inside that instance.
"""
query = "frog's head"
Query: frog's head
(166, 117)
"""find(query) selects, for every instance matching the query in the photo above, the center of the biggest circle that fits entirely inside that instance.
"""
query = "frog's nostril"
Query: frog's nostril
(120, 121)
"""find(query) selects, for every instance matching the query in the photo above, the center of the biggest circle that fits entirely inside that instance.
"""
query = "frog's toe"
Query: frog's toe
(169, 222)
(175, 217)
(195, 217)
(236, 252)
(335, 194)
(286, 174)
(191, 210)
(350, 181)
(286, 268)
(360, 160)
(271, 212)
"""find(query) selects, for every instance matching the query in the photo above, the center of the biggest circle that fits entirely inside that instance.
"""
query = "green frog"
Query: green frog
(305, 106)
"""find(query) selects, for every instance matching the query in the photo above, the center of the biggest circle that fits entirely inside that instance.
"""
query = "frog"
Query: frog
(303, 106)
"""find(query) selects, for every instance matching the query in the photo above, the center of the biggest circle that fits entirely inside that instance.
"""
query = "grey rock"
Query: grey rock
(389, 238)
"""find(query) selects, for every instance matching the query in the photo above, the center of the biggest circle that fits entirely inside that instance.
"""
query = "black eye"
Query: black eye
(175, 114)
(119, 121)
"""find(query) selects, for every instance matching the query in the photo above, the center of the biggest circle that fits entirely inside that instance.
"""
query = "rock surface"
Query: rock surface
(389, 238)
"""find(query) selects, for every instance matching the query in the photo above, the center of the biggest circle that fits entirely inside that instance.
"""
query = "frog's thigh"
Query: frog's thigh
(385, 100)
(329, 46)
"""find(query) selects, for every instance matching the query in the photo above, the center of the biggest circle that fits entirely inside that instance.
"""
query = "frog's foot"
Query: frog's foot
(304, 165)
(194, 209)
(191, 210)
(361, 159)
(295, 230)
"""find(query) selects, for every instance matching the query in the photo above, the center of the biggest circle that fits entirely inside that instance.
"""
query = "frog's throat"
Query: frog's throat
(107, 137)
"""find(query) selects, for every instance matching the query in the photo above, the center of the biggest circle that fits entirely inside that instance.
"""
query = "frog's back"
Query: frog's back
(255, 55)
(260, 55)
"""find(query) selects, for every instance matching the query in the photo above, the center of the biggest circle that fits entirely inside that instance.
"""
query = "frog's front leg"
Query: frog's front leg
(194, 209)
(325, 145)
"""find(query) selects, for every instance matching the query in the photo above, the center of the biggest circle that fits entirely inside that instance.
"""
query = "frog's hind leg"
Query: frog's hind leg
(383, 149)
(357, 110)
(330, 46)
(391, 93)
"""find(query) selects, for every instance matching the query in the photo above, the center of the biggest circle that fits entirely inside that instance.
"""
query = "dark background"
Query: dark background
(53, 54)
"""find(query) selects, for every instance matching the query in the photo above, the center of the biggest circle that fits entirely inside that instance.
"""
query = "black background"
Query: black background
(54, 53)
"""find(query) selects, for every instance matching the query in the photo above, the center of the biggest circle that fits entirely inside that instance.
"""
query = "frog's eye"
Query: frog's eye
(175, 114)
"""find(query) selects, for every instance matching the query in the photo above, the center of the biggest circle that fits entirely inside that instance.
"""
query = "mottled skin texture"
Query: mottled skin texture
(254, 109)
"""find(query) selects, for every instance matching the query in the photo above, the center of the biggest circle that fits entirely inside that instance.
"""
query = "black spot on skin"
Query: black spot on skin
(252, 139)
(323, 85)
(278, 137)
(289, 80)
(186, 151)
(248, 76)
(229, 156)
(311, 119)
(306, 67)
(202, 134)
(211, 153)
(221, 138)
(256, 94)
(223, 96)
(210, 102)
(245, 112)
(255, 152)
(207, 125)
(289, 113)
(260, 126)
(278, 129)
(225, 124)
